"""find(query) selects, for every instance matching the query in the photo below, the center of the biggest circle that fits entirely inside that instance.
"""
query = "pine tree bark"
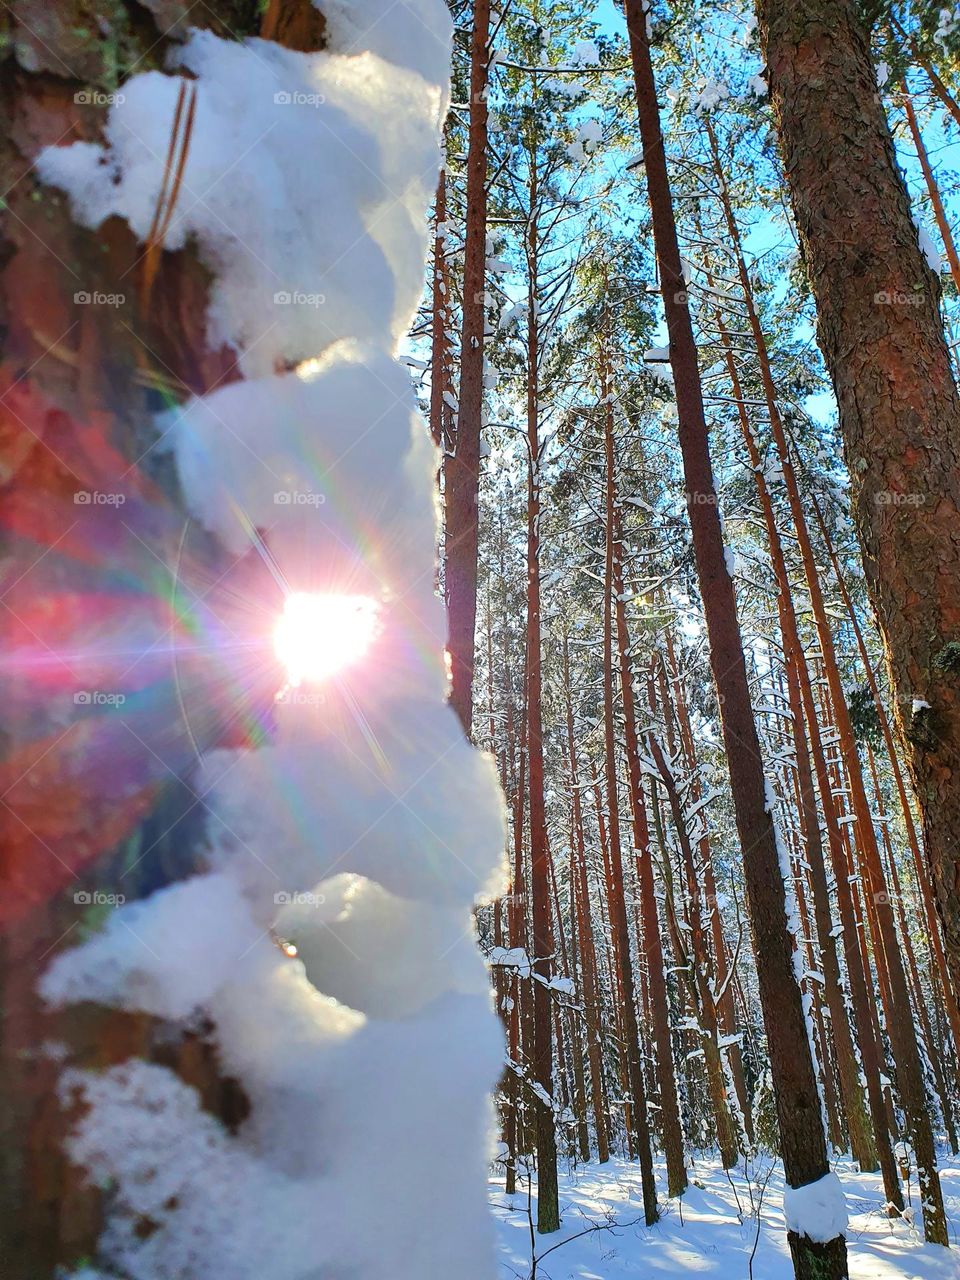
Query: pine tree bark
(548, 1210)
(640, 1124)
(81, 386)
(652, 942)
(909, 1068)
(881, 333)
(804, 722)
(580, 893)
(462, 465)
(798, 1106)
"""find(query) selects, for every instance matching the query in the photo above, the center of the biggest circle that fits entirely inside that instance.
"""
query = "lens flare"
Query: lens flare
(320, 633)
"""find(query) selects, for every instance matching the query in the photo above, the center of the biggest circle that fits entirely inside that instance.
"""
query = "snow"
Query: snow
(172, 971)
(758, 86)
(710, 94)
(817, 1210)
(927, 247)
(327, 948)
(346, 228)
(712, 1231)
(585, 54)
(586, 138)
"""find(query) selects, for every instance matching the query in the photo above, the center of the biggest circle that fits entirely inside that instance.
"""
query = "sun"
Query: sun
(321, 633)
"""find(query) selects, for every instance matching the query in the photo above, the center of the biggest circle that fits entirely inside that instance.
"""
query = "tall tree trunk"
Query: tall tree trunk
(922, 872)
(881, 334)
(900, 1026)
(618, 909)
(462, 465)
(580, 894)
(798, 1105)
(653, 945)
(803, 711)
(699, 972)
(548, 1209)
(725, 1008)
(441, 414)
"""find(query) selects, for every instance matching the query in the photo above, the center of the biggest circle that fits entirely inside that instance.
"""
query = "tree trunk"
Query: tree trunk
(881, 334)
(580, 894)
(618, 909)
(548, 1211)
(900, 1027)
(803, 708)
(462, 466)
(653, 945)
(88, 806)
(798, 1104)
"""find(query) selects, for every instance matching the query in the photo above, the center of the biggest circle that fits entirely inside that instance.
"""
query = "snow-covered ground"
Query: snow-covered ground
(713, 1232)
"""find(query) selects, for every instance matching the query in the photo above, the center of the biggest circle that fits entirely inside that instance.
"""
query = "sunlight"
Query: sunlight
(319, 634)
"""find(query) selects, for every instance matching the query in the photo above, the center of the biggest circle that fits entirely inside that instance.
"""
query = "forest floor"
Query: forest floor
(713, 1232)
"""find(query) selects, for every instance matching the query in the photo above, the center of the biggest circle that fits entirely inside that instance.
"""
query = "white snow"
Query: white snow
(281, 232)
(585, 54)
(710, 94)
(586, 138)
(758, 86)
(155, 955)
(713, 1231)
(817, 1210)
(329, 946)
(928, 248)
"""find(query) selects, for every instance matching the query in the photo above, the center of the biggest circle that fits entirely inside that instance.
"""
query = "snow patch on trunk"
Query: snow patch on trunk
(818, 1210)
(359, 838)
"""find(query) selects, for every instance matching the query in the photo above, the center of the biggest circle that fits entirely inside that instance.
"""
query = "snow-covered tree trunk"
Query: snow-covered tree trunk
(206, 273)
